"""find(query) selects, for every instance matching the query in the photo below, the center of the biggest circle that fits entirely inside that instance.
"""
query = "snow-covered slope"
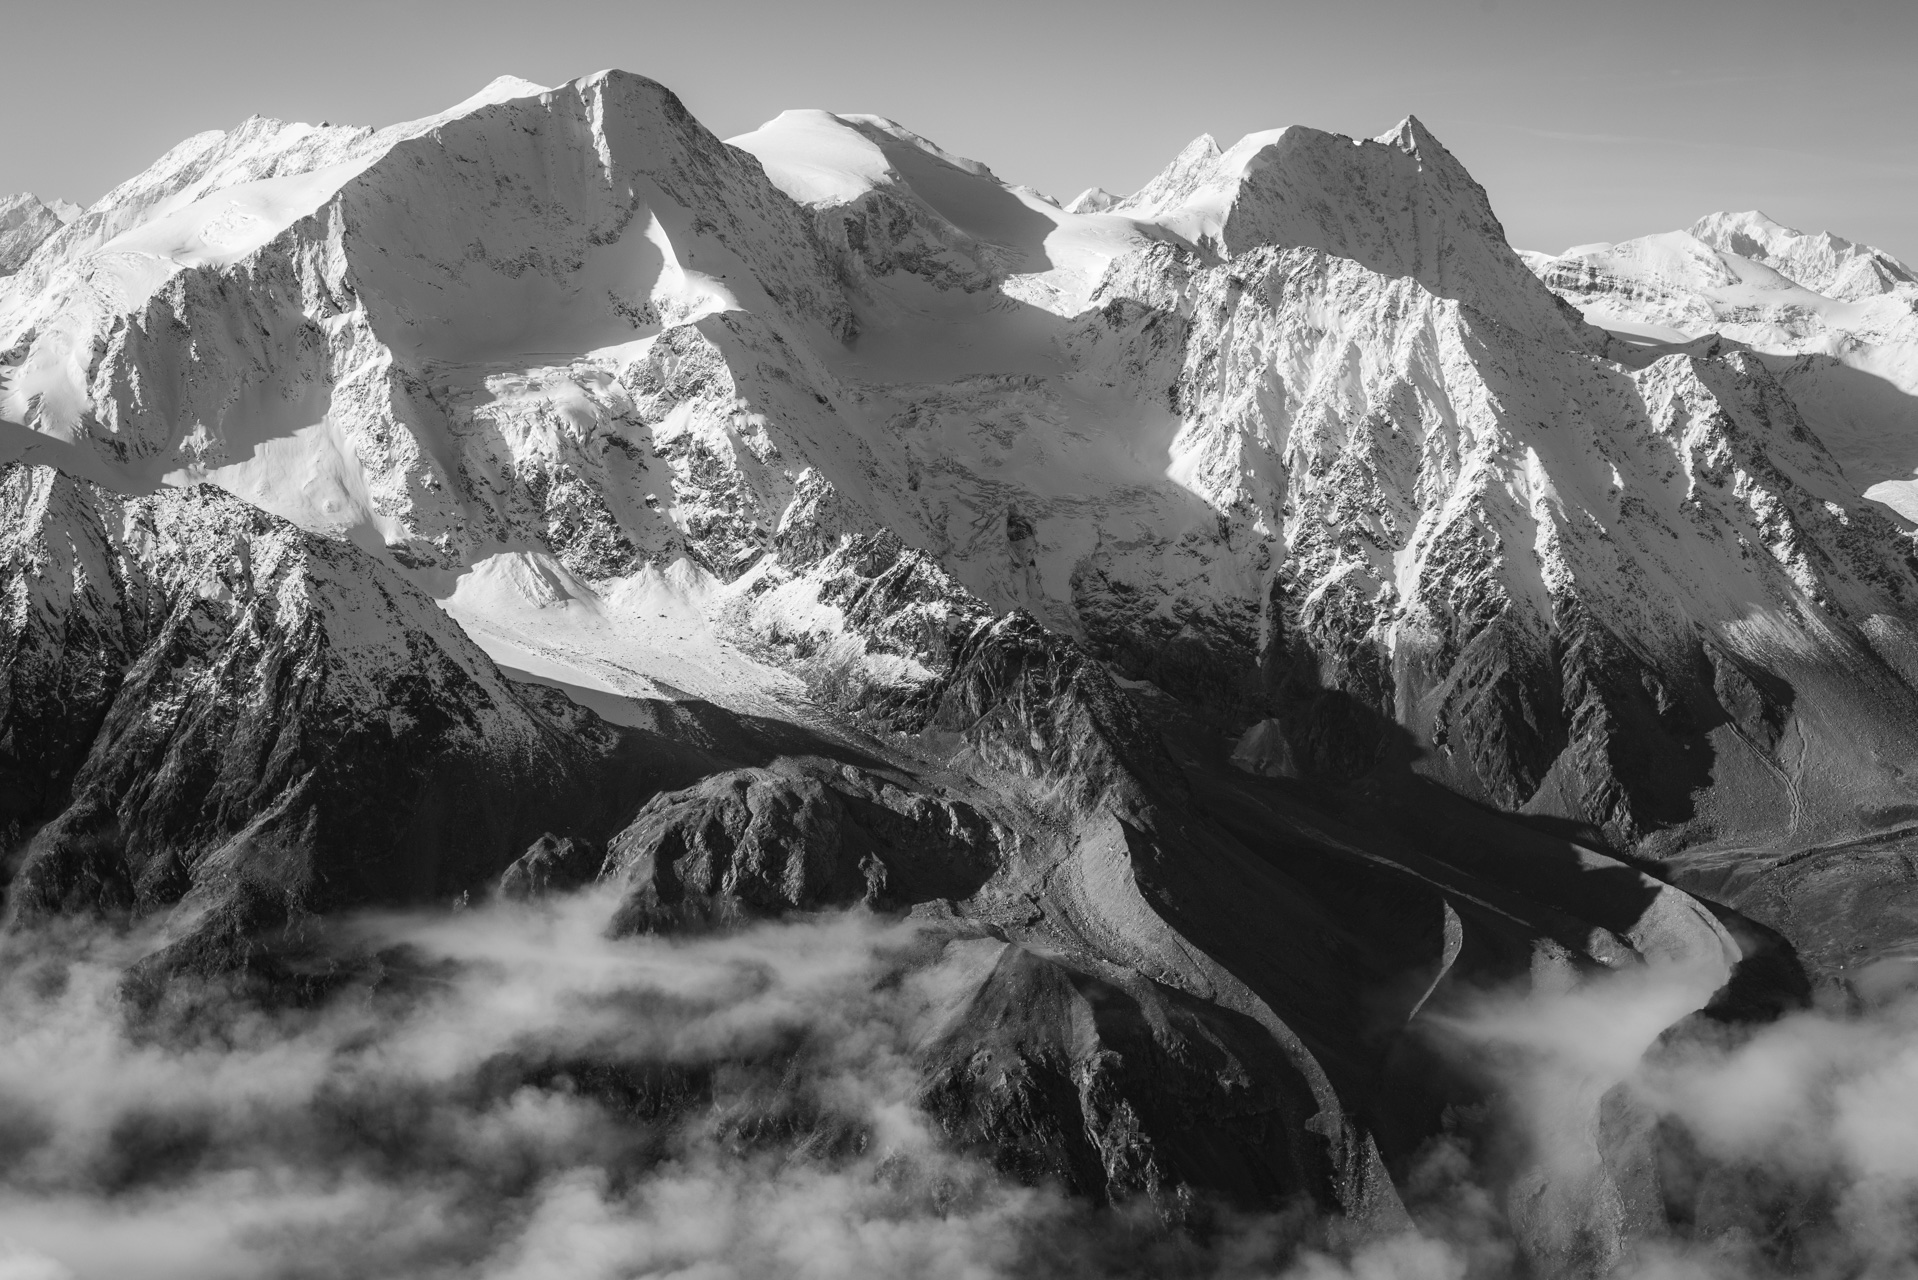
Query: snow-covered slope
(276, 319)
(889, 200)
(1837, 321)
(1821, 261)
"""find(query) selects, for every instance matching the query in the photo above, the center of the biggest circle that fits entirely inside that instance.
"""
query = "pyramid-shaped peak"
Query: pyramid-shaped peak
(500, 89)
(19, 207)
(1399, 204)
(618, 77)
(1419, 142)
(1193, 169)
(26, 223)
(1410, 135)
(1093, 200)
(509, 86)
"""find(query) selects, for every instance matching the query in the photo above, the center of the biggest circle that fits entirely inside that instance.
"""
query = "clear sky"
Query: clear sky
(1586, 119)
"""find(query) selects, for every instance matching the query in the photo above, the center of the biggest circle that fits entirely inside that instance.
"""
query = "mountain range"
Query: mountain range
(1247, 619)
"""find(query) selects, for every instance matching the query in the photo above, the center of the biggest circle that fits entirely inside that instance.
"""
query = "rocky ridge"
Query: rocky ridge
(208, 704)
(25, 224)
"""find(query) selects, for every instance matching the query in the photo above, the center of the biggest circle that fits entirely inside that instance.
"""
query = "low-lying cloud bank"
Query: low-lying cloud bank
(504, 1092)
(507, 1093)
(516, 1097)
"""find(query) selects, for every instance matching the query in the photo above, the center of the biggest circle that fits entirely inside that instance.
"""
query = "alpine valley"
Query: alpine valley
(1235, 634)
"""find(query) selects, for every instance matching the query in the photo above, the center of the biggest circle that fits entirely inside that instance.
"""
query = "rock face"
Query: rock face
(551, 864)
(762, 842)
(25, 224)
(1116, 1087)
(921, 545)
(205, 701)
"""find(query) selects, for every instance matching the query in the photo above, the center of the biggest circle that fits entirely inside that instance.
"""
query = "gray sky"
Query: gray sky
(1590, 120)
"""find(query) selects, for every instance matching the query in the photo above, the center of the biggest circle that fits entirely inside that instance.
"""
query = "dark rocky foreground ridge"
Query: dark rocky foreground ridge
(1467, 650)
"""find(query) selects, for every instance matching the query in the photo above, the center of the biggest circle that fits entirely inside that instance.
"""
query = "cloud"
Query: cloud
(528, 1098)
(23, 1264)
(505, 1094)
(1628, 1135)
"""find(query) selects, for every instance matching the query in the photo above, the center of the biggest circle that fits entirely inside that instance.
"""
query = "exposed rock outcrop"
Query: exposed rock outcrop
(25, 224)
(763, 842)
(551, 864)
(205, 700)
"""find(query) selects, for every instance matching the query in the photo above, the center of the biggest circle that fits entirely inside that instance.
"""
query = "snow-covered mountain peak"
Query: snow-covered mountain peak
(821, 159)
(1822, 262)
(1412, 137)
(817, 158)
(902, 212)
(589, 217)
(500, 89)
(1093, 200)
(1834, 319)
(887, 133)
(257, 150)
(1195, 165)
(409, 453)
(1400, 204)
(1669, 259)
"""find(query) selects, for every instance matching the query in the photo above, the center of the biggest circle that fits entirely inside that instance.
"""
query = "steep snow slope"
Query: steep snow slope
(364, 372)
(1838, 321)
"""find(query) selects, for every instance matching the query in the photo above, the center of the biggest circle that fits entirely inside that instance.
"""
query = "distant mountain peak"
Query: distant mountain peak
(1093, 200)
(1822, 262)
(25, 224)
